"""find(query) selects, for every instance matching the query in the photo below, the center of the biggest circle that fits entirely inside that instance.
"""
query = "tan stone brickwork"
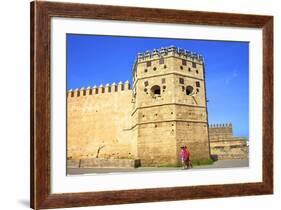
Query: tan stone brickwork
(224, 146)
(165, 109)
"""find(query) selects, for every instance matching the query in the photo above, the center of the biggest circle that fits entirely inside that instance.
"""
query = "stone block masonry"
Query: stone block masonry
(224, 146)
(165, 109)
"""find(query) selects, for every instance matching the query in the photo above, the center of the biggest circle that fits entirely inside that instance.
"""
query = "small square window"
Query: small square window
(145, 70)
(163, 80)
(148, 63)
(189, 69)
(146, 83)
(181, 80)
(161, 61)
(193, 65)
(197, 84)
(184, 62)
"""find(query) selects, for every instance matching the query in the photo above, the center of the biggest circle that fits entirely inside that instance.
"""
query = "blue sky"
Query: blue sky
(94, 60)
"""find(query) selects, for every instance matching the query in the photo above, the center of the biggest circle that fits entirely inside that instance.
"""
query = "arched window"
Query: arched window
(189, 90)
(155, 91)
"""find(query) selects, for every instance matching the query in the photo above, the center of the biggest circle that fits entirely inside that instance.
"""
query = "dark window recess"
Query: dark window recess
(109, 89)
(122, 87)
(72, 94)
(197, 84)
(189, 69)
(97, 91)
(156, 91)
(163, 80)
(197, 71)
(181, 67)
(165, 66)
(148, 63)
(197, 90)
(154, 68)
(102, 90)
(181, 80)
(84, 92)
(193, 65)
(189, 90)
(184, 62)
(182, 88)
(146, 83)
(145, 89)
(164, 87)
(145, 70)
(91, 92)
(78, 93)
(115, 89)
(161, 61)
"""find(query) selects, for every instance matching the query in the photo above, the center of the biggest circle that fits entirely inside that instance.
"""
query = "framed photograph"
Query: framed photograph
(134, 105)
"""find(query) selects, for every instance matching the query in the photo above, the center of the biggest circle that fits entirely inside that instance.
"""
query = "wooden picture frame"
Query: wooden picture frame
(41, 14)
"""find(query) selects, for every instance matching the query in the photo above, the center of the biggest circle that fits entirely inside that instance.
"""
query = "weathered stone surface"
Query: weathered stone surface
(224, 146)
(165, 109)
(103, 163)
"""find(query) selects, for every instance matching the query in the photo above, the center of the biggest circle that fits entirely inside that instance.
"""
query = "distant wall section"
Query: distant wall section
(224, 146)
(98, 120)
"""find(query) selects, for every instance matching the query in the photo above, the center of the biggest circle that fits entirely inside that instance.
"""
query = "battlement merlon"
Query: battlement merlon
(169, 51)
(101, 89)
(222, 125)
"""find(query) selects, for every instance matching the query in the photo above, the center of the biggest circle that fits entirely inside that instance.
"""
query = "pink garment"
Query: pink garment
(184, 154)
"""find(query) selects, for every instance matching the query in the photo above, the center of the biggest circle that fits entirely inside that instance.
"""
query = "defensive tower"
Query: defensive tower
(169, 106)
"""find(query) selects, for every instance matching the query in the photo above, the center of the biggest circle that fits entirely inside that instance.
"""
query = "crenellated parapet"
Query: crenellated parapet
(169, 51)
(220, 132)
(101, 89)
(221, 125)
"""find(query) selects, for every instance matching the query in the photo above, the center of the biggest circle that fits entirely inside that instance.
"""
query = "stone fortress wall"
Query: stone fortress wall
(165, 109)
(97, 120)
(224, 145)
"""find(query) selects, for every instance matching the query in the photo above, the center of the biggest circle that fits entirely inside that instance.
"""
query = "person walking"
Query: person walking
(183, 157)
(188, 158)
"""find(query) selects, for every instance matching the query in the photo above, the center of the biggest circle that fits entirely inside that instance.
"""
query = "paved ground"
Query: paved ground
(217, 164)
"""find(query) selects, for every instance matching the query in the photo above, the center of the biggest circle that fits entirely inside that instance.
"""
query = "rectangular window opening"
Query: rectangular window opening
(181, 80)
(193, 65)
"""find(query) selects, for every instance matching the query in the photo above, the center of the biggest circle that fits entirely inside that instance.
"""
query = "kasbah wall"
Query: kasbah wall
(165, 109)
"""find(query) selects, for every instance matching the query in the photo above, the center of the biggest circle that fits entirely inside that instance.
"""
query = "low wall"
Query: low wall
(226, 150)
(103, 163)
